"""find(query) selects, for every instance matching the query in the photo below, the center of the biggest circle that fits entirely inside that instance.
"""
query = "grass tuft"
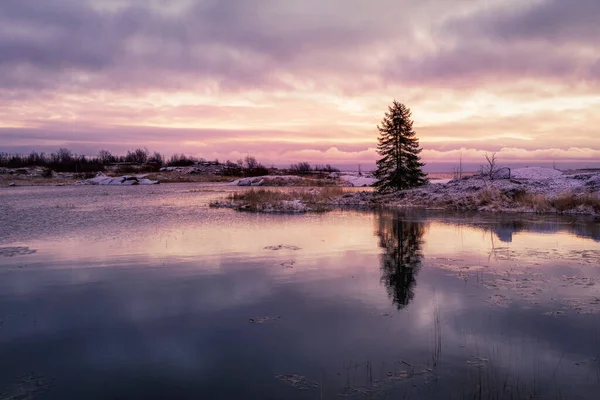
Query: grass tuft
(314, 199)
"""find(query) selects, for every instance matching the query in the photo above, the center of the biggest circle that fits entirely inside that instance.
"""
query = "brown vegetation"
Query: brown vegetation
(263, 200)
(494, 199)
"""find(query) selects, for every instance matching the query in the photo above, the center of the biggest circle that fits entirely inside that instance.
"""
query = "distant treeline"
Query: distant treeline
(141, 159)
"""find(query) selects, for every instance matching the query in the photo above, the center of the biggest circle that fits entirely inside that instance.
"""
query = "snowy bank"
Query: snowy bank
(542, 190)
(358, 180)
(127, 180)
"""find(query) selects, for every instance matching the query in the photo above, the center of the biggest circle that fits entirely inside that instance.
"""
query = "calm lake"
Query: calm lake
(147, 293)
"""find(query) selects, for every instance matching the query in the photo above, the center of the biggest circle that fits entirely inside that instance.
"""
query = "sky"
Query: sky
(289, 81)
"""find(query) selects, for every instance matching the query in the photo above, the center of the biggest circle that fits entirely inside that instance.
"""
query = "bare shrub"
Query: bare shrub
(569, 201)
(565, 202)
(302, 168)
(491, 168)
(489, 196)
(537, 202)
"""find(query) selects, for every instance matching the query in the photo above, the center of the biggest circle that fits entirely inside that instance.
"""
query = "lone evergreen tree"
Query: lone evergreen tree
(400, 166)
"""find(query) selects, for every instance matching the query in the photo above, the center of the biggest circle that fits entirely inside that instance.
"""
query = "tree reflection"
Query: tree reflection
(401, 241)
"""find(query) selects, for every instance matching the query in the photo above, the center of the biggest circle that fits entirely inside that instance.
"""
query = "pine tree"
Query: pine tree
(400, 166)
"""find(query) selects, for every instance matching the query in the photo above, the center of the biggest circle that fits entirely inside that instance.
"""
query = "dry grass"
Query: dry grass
(266, 195)
(494, 199)
(317, 199)
(489, 196)
(565, 202)
(537, 202)
(569, 201)
(27, 180)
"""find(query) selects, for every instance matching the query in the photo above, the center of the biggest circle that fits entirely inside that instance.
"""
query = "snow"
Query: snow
(290, 180)
(126, 180)
(536, 173)
(528, 190)
(439, 181)
(295, 206)
(357, 180)
(264, 180)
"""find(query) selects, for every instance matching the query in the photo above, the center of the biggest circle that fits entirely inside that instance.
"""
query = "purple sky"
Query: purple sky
(289, 80)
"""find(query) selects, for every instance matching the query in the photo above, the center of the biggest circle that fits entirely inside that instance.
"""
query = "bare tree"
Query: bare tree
(460, 167)
(302, 168)
(250, 162)
(455, 172)
(491, 168)
(105, 157)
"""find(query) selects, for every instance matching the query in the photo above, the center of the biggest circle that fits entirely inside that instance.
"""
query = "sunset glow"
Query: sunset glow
(289, 81)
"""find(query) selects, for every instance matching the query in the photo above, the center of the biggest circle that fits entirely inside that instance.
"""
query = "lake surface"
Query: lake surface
(147, 293)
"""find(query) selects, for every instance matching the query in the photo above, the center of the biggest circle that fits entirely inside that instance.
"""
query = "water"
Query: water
(145, 292)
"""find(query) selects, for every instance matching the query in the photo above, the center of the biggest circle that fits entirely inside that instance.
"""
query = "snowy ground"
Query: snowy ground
(528, 190)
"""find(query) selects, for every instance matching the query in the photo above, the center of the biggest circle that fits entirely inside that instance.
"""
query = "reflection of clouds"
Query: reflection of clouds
(460, 241)
(120, 229)
(120, 307)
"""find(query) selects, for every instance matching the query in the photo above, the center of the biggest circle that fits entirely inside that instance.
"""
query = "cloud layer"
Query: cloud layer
(288, 80)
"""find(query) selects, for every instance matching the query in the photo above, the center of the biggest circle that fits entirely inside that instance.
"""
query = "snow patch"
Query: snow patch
(127, 180)
(439, 181)
(537, 173)
(358, 181)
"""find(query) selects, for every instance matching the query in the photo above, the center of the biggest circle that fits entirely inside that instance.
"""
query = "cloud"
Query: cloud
(259, 43)
(555, 22)
(297, 79)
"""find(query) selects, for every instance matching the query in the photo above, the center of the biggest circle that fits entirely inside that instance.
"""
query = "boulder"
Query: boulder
(333, 175)
(593, 183)
(502, 173)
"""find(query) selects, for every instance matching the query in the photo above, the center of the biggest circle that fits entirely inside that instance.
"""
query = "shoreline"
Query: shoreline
(541, 191)
(532, 191)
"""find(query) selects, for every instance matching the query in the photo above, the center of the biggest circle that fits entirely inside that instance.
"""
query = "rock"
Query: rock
(536, 173)
(12, 184)
(127, 180)
(593, 183)
(502, 173)
(333, 175)
(245, 182)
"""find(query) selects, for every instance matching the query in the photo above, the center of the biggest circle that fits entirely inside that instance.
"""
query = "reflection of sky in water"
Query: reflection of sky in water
(147, 292)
